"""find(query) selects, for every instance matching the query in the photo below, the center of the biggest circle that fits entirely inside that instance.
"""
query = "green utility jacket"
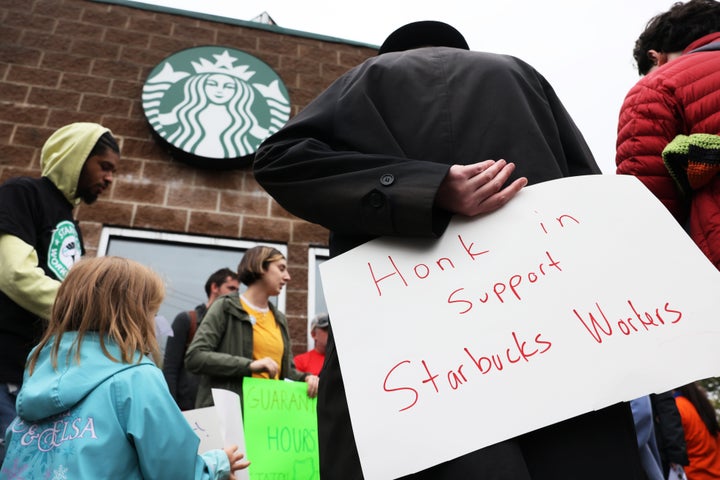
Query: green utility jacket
(222, 349)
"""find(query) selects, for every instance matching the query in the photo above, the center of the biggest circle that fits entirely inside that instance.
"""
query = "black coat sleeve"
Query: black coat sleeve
(174, 360)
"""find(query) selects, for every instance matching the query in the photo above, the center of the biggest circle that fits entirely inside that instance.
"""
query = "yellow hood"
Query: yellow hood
(65, 153)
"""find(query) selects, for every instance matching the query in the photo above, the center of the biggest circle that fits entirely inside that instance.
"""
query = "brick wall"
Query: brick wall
(63, 61)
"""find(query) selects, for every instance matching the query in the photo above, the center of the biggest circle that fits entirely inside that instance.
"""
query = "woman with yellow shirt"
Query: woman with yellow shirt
(244, 334)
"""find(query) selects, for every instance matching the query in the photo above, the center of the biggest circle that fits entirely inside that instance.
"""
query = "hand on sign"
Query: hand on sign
(478, 188)
(312, 389)
(266, 364)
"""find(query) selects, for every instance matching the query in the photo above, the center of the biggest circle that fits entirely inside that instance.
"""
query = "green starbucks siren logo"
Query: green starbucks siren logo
(214, 104)
(65, 249)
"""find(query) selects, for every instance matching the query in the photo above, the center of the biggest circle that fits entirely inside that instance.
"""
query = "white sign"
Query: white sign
(578, 294)
(206, 425)
(220, 425)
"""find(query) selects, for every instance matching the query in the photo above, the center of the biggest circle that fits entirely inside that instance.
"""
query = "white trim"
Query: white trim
(313, 254)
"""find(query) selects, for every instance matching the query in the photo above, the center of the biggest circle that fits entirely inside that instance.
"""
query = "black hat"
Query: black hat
(427, 33)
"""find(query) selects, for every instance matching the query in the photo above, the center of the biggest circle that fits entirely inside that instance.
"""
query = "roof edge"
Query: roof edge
(234, 21)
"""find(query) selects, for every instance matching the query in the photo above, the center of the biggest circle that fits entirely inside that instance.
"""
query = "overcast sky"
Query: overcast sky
(584, 48)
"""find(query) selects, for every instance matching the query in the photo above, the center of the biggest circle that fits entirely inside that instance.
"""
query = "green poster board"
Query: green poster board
(280, 430)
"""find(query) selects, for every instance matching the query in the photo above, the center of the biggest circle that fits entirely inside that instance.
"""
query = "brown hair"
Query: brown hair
(255, 263)
(116, 298)
(699, 399)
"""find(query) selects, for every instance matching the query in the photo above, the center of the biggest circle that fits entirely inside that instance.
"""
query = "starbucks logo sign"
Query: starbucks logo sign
(214, 105)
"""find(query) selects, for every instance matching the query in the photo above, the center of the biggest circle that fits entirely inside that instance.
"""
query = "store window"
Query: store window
(183, 261)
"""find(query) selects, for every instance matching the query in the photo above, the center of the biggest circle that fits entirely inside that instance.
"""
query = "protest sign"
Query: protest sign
(206, 425)
(577, 294)
(220, 425)
(280, 430)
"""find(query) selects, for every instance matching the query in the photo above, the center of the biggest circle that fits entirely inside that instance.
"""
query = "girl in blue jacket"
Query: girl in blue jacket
(93, 404)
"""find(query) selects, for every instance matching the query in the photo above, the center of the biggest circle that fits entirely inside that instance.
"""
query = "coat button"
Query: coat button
(376, 199)
(387, 179)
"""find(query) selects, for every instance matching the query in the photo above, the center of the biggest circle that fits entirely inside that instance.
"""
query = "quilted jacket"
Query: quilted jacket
(681, 97)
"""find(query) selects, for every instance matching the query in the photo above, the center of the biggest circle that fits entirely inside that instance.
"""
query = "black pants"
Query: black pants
(599, 445)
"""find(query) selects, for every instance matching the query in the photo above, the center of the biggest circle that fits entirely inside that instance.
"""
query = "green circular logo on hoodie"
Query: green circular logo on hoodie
(215, 104)
(64, 250)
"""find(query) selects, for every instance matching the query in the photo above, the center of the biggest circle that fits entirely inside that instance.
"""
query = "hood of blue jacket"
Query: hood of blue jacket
(53, 390)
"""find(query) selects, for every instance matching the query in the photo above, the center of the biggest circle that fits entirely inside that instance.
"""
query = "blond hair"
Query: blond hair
(113, 297)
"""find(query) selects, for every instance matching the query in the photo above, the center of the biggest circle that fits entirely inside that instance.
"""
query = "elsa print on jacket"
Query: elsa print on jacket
(214, 109)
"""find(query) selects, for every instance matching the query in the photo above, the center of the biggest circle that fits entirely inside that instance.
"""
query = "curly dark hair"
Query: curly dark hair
(674, 30)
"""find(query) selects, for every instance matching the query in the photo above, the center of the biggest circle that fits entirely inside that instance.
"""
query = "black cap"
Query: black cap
(427, 33)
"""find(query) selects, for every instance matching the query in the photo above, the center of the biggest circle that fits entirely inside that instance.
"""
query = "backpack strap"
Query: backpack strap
(193, 327)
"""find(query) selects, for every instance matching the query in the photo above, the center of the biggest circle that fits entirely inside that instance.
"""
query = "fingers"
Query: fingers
(497, 200)
(272, 368)
(478, 188)
(235, 457)
(313, 382)
(266, 364)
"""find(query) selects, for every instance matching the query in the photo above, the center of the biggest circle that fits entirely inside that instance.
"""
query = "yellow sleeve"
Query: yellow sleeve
(22, 280)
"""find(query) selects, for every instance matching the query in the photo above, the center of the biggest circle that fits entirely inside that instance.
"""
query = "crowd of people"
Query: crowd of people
(394, 143)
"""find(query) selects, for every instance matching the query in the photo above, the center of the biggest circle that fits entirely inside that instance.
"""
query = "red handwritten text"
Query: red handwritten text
(483, 363)
(509, 287)
(600, 327)
(421, 271)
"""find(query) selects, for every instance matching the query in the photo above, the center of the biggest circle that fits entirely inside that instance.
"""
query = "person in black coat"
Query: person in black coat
(397, 146)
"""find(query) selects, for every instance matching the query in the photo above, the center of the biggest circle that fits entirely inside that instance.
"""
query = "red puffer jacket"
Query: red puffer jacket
(681, 97)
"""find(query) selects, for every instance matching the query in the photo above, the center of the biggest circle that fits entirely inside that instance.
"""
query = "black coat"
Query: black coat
(366, 159)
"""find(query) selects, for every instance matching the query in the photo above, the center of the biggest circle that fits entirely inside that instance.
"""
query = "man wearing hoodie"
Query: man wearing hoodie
(40, 241)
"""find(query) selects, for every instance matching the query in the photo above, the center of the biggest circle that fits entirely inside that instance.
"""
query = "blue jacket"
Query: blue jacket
(102, 419)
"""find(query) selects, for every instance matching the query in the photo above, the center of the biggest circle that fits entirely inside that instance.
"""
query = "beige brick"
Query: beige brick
(193, 198)
(173, 173)
(311, 233)
(215, 224)
(270, 229)
(220, 180)
(160, 218)
(233, 202)
(137, 191)
(106, 212)
(91, 232)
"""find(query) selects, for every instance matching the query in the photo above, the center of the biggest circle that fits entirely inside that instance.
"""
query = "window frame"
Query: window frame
(155, 236)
